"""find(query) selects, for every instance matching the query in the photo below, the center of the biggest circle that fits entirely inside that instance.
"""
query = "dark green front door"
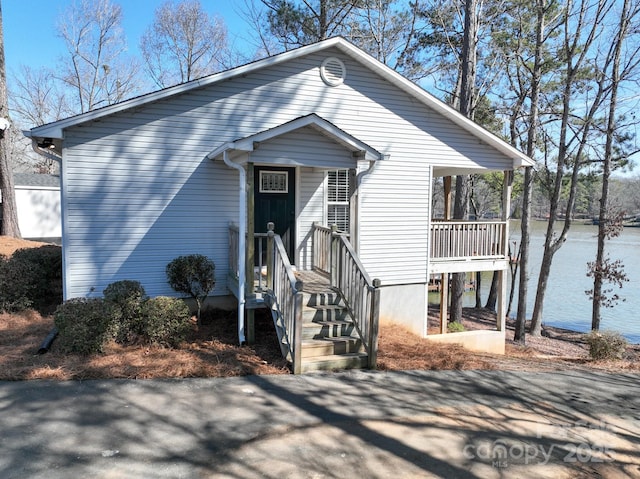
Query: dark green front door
(274, 192)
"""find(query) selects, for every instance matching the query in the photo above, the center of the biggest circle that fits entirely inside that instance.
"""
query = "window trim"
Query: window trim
(346, 204)
(280, 173)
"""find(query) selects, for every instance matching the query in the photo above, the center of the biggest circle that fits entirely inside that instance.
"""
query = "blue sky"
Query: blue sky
(30, 36)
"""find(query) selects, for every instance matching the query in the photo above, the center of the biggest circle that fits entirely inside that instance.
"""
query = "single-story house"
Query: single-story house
(319, 136)
(38, 206)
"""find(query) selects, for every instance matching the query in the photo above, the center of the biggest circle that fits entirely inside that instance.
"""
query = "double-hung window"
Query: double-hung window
(338, 199)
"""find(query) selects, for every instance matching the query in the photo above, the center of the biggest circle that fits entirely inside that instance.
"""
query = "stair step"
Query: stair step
(320, 299)
(329, 312)
(327, 329)
(331, 346)
(337, 361)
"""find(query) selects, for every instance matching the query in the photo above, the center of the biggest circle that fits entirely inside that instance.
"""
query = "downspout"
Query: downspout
(359, 178)
(57, 158)
(42, 152)
(242, 243)
(364, 173)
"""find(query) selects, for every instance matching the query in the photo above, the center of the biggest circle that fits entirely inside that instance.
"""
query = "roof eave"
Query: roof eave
(55, 129)
(519, 158)
(249, 143)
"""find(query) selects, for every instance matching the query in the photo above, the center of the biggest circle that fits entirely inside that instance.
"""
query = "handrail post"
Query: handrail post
(374, 324)
(333, 256)
(270, 235)
(314, 245)
(297, 337)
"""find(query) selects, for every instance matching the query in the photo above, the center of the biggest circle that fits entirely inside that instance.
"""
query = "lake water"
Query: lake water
(566, 305)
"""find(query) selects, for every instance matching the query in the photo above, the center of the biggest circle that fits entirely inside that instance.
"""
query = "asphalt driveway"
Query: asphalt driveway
(466, 424)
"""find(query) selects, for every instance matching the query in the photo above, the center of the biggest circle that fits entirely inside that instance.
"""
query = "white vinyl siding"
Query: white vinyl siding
(139, 191)
(128, 219)
(304, 147)
(311, 209)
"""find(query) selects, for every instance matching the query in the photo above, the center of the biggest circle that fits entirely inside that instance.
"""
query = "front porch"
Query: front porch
(327, 316)
(324, 177)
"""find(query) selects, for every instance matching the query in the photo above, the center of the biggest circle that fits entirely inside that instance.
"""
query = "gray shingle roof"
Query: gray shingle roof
(36, 179)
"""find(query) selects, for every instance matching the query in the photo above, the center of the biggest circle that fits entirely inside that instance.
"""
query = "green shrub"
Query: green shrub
(16, 288)
(48, 261)
(606, 345)
(85, 325)
(166, 321)
(455, 327)
(127, 298)
(31, 277)
(193, 275)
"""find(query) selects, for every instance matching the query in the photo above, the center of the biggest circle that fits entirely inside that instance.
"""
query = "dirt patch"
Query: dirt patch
(9, 245)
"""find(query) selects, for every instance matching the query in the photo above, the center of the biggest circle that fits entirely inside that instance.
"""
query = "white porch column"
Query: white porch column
(444, 277)
(502, 276)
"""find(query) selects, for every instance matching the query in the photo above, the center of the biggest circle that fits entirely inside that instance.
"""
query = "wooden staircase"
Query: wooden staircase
(330, 339)
(325, 318)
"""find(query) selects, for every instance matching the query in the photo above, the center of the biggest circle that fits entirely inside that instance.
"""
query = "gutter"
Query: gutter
(42, 152)
(242, 242)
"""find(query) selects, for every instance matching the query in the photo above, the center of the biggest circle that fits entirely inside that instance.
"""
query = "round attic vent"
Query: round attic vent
(333, 71)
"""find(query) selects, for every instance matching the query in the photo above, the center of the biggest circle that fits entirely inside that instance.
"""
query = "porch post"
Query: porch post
(251, 228)
(353, 210)
(444, 278)
(270, 235)
(502, 277)
(447, 198)
(333, 256)
(444, 302)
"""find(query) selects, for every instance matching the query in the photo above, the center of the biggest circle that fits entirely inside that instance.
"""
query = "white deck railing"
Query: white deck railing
(467, 240)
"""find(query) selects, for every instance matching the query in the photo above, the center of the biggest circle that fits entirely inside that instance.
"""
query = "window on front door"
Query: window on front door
(338, 199)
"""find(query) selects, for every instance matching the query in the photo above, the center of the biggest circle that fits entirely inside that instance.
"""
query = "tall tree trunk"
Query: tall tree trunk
(492, 299)
(323, 24)
(458, 280)
(513, 269)
(468, 61)
(521, 314)
(9, 210)
(525, 224)
(576, 54)
(603, 216)
(478, 286)
(596, 302)
(468, 78)
(478, 274)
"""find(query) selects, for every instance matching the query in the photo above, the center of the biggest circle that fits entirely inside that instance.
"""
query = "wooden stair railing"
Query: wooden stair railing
(360, 293)
(284, 297)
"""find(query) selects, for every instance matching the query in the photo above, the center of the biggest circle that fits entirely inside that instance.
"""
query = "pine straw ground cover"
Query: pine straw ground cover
(9, 245)
(212, 351)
